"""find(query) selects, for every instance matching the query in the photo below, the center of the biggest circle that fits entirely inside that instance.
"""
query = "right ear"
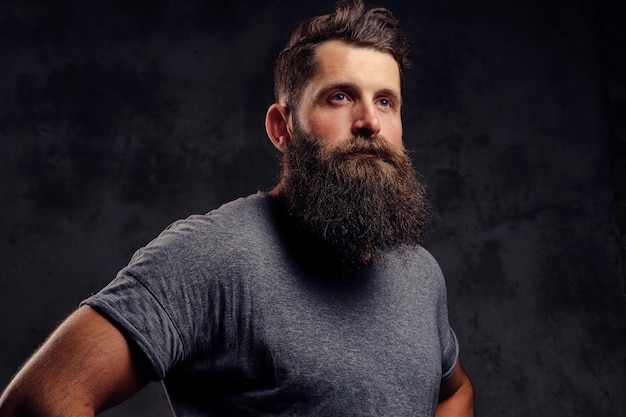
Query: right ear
(277, 126)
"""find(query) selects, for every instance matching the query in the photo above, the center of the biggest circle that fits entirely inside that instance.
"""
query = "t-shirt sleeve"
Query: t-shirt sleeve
(131, 307)
(156, 300)
(449, 344)
(450, 354)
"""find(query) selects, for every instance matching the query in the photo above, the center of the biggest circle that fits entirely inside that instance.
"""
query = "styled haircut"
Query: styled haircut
(352, 23)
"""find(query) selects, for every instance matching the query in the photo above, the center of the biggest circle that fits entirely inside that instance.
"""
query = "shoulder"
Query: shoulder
(243, 211)
(233, 224)
(413, 259)
(427, 261)
(414, 268)
(241, 214)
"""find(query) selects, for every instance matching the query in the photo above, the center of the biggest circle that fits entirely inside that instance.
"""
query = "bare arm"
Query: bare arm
(85, 366)
(456, 395)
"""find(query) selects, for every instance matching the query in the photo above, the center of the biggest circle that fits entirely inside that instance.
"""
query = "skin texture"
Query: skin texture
(87, 365)
(354, 90)
(456, 395)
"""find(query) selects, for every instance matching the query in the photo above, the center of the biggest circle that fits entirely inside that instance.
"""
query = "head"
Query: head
(346, 178)
(352, 23)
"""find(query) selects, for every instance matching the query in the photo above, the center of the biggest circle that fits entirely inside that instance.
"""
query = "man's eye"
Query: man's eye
(338, 97)
(384, 102)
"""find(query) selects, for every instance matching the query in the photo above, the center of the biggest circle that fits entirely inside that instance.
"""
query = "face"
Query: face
(346, 180)
(354, 91)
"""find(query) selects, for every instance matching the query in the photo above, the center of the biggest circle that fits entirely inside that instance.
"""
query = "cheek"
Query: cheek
(394, 134)
(327, 127)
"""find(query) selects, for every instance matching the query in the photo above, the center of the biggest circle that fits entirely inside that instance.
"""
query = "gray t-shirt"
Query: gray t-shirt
(237, 324)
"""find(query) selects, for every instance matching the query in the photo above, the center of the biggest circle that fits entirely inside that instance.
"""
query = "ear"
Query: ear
(277, 126)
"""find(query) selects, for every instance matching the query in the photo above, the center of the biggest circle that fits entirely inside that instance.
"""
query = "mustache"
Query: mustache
(375, 145)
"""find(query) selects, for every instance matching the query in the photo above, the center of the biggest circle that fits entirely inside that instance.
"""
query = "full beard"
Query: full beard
(352, 198)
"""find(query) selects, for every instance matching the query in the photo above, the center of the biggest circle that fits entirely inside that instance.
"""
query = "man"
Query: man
(314, 299)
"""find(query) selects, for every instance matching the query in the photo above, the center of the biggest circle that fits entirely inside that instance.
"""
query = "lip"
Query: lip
(366, 155)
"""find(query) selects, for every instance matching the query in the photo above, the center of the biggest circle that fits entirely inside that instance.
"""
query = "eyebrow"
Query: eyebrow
(396, 96)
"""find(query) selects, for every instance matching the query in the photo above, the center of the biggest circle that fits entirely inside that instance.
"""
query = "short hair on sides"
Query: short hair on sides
(351, 22)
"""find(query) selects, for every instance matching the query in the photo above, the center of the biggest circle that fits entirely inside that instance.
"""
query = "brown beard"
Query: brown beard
(355, 197)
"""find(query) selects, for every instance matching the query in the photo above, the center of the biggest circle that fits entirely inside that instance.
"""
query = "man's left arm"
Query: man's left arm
(456, 395)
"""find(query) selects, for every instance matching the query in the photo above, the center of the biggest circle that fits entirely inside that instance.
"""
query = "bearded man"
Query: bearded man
(314, 299)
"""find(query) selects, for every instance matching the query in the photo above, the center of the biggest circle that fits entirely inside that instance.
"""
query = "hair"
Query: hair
(351, 22)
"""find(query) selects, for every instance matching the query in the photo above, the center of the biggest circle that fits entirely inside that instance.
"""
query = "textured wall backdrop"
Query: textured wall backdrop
(117, 118)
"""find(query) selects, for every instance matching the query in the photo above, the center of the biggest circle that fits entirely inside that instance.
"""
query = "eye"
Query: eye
(385, 102)
(338, 97)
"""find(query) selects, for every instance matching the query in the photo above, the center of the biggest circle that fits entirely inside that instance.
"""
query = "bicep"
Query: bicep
(85, 365)
(452, 384)
(456, 396)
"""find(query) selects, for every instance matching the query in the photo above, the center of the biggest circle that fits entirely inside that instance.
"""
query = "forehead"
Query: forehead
(339, 62)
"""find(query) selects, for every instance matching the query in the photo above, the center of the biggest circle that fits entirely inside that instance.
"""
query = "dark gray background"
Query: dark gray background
(118, 117)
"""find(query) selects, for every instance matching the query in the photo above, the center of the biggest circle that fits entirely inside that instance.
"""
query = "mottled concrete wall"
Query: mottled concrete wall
(116, 119)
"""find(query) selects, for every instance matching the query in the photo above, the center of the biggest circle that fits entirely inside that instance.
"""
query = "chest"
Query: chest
(368, 333)
(292, 344)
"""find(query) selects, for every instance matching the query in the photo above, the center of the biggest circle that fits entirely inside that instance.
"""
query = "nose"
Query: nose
(366, 122)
